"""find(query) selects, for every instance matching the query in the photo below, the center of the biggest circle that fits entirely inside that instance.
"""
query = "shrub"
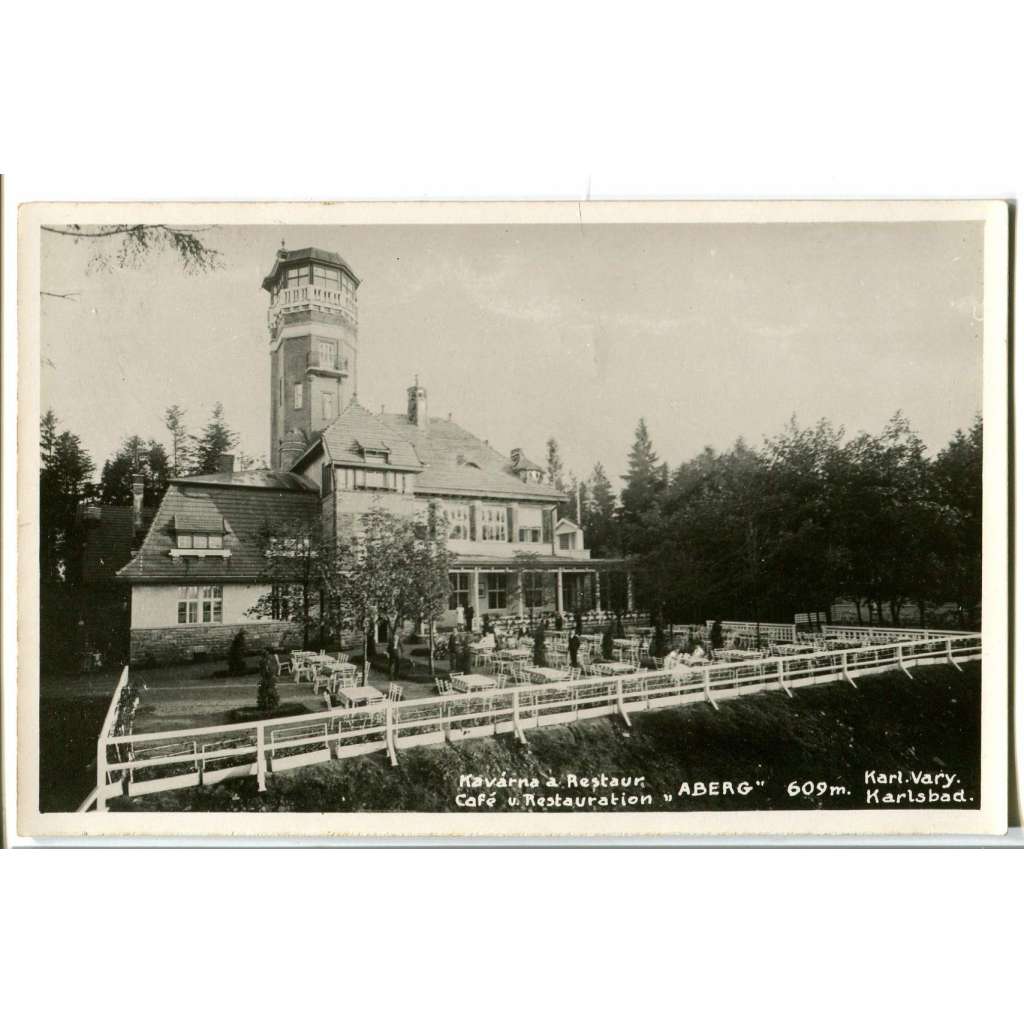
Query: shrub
(236, 654)
(539, 653)
(267, 698)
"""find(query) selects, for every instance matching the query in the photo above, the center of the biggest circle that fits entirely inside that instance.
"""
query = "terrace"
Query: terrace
(503, 694)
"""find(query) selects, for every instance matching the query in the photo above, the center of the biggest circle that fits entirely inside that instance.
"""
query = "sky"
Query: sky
(708, 331)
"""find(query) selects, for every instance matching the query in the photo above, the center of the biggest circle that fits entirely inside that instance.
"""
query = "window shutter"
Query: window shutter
(549, 526)
(511, 513)
(474, 522)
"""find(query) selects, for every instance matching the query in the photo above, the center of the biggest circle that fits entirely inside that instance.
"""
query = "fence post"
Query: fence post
(619, 701)
(261, 759)
(846, 671)
(389, 733)
(899, 660)
(949, 654)
(782, 677)
(517, 728)
(707, 688)
(101, 773)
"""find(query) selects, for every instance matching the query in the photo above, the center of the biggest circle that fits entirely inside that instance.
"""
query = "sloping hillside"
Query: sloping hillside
(830, 734)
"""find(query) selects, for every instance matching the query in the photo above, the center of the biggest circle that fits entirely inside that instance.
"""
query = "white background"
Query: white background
(311, 101)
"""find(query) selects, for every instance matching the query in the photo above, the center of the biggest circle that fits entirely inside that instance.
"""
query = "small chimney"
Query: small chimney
(225, 463)
(138, 490)
(418, 405)
(517, 454)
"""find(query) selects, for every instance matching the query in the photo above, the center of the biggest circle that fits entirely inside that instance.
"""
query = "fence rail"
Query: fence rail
(140, 763)
(767, 630)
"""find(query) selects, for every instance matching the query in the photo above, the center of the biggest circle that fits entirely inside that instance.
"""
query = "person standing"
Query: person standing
(574, 646)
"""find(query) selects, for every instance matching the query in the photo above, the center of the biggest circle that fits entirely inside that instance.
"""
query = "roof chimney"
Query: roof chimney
(418, 405)
(138, 490)
(225, 463)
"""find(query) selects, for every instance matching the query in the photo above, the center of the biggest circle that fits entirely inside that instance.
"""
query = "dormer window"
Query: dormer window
(381, 456)
(200, 541)
(199, 535)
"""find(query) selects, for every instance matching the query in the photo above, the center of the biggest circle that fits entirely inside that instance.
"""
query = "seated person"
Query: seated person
(672, 658)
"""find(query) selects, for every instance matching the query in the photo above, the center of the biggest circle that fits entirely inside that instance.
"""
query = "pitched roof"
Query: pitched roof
(357, 430)
(458, 462)
(245, 510)
(270, 479)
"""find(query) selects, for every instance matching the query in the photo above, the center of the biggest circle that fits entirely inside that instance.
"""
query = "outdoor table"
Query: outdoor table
(797, 648)
(513, 654)
(547, 675)
(613, 668)
(473, 681)
(839, 645)
(356, 695)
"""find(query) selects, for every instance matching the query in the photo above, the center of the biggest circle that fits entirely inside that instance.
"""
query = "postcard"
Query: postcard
(532, 520)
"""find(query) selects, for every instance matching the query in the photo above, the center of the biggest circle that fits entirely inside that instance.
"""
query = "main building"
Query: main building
(197, 570)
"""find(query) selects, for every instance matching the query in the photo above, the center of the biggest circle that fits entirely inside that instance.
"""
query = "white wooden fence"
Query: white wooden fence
(881, 634)
(141, 763)
(766, 630)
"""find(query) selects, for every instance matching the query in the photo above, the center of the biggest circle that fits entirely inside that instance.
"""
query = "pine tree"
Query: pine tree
(645, 480)
(181, 454)
(556, 470)
(134, 456)
(216, 439)
(601, 526)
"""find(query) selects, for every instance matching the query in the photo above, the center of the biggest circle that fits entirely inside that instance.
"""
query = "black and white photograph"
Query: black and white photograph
(514, 519)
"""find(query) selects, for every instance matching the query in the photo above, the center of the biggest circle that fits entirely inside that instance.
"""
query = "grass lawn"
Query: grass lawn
(832, 733)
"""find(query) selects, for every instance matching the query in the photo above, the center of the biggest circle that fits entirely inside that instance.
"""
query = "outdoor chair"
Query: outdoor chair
(340, 656)
(394, 693)
(304, 671)
(282, 667)
(444, 687)
(322, 675)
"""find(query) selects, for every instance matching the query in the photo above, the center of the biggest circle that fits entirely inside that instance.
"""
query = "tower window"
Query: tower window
(328, 405)
(327, 277)
(297, 401)
(297, 276)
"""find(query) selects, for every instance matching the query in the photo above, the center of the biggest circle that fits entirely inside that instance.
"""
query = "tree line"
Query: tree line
(805, 519)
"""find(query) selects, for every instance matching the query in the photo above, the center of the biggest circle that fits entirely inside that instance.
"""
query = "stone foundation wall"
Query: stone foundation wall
(185, 643)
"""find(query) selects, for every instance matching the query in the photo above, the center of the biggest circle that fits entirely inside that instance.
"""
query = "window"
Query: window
(200, 541)
(326, 479)
(280, 602)
(297, 276)
(495, 524)
(326, 277)
(459, 595)
(567, 541)
(458, 521)
(497, 591)
(326, 351)
(188, 604)
(327, 400)
(529, 536)
(212, 601)
(297, 396)
(533, 589)
(196, 601)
